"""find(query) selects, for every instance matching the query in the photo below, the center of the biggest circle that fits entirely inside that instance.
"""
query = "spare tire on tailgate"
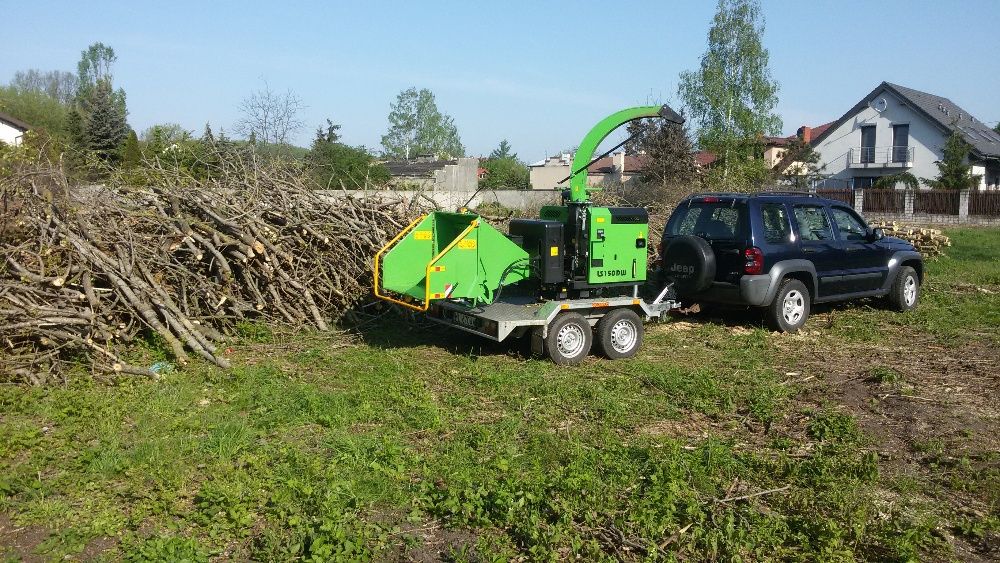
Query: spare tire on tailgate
(689, 262)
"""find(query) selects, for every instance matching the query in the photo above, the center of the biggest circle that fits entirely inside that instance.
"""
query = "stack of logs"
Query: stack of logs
(84, 270)
(930, 242)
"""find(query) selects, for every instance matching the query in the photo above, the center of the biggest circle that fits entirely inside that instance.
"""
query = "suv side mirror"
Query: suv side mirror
(878, 233)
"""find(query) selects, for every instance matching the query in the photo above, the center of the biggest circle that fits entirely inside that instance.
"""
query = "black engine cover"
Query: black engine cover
(543, 241)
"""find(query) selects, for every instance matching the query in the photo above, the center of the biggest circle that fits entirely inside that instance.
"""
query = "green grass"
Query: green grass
(310, 451)
(959, 302)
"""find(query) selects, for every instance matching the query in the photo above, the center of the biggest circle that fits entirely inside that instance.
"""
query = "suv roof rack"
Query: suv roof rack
(785, 192)
(755, 194)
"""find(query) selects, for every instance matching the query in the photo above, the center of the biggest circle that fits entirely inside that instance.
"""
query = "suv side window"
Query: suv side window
(774, 219)
(849, 227)
(814, 225)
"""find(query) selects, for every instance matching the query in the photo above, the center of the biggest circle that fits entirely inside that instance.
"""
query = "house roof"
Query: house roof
(14, 122)
(940, 111)
(416, 169)
(782, 141)
(704, 158)
(633, 164)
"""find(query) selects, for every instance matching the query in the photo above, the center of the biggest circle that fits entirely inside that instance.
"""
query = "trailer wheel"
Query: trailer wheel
(619, 334)
(569, 339)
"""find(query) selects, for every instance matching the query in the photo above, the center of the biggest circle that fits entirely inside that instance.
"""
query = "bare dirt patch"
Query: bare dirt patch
(21, 541)
(931, 410)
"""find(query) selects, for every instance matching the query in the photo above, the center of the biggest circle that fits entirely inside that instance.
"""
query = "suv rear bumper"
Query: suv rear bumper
(752, 290)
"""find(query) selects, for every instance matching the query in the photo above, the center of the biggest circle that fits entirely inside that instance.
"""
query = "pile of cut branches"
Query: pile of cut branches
(85, 269)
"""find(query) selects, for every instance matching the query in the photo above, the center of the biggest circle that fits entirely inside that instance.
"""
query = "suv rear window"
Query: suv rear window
(723, 220)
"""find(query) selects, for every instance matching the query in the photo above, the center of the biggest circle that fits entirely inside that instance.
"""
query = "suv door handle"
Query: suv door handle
(808, 249)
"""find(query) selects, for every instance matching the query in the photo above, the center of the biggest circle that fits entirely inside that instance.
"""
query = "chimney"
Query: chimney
(618, 159)
(806, 134)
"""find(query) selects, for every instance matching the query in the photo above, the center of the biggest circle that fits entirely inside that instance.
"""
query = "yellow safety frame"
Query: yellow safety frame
(427, 278)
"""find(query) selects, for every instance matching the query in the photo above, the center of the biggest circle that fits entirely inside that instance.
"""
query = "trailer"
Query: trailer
(574, 278)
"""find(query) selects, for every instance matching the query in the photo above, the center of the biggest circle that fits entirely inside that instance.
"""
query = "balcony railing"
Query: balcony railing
(880, 157)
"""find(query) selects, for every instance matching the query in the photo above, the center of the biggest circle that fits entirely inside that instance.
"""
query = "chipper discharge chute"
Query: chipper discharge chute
(571, 278)
(447, 256)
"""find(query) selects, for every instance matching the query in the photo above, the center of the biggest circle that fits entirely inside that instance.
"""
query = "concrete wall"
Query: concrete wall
(524, 200)
(926, 139)
(10, 135)
(547, 177)
(460, 177)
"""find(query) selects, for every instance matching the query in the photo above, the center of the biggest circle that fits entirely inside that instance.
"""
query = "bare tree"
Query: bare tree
(59, 84)
(270, 117)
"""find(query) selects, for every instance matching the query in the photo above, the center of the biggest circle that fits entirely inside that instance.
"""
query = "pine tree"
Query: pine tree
(954, 171)
(131, 155)
(207, 137)
(106, 127)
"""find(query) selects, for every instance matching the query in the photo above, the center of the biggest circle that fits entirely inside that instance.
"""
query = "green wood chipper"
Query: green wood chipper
(568, 279)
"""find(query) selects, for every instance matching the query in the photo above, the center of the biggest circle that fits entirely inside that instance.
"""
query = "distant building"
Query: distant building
(427, 173)
(618, 168)
(548, 174)
(898, 129)
(12, 130)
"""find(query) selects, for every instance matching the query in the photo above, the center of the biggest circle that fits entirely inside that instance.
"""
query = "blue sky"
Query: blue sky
(537, 73)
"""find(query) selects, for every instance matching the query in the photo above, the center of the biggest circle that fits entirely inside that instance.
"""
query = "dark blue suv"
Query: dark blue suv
(782, 252)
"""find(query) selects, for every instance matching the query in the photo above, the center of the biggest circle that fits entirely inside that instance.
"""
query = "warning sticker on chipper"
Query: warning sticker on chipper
(467, 244)
(422, 235)
(554, 251)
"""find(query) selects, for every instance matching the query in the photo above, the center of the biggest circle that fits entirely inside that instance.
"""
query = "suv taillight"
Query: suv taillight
(754, 261)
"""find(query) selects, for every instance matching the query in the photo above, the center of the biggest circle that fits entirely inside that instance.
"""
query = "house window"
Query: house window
(862, 182)
(867, 144)
(901, 143)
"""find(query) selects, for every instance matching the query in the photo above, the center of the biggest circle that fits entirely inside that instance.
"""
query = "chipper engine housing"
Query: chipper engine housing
(576, 259)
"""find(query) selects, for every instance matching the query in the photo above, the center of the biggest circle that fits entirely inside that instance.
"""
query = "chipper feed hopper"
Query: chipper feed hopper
(568, 279)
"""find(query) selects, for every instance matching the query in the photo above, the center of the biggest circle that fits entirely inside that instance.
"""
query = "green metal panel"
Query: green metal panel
(578, 177)
(615, 254)
(470, 263)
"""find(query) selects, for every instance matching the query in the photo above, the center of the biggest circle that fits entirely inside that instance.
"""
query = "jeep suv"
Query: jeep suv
(782, 252)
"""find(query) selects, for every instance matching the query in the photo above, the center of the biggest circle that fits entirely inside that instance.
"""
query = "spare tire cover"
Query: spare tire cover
(689, 262)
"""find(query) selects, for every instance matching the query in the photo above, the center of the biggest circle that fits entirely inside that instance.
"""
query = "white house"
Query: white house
(897, 129)
(11, 129)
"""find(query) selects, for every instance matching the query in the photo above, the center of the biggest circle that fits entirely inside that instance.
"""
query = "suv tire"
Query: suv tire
(619, 334)
(905, 290)
(569, 339)
(790, 308)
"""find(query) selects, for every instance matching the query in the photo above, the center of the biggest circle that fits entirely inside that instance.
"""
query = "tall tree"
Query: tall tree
(270, 117)
(106, 127)
(503, 151)
(94, 67)
(997, 127)
(732, 95)
(416, 126)
(954, 170)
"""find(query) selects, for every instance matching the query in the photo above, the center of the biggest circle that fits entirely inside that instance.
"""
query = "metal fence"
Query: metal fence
(879, 200)
(984, 204)
(936, 202)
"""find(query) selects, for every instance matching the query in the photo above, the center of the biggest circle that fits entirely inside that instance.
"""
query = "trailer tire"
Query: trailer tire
(569, 339)
(619, 334)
